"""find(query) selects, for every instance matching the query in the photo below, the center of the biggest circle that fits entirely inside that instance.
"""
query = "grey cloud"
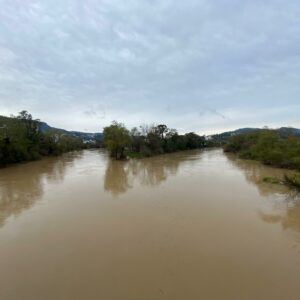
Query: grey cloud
(90, 113)
(144, 60)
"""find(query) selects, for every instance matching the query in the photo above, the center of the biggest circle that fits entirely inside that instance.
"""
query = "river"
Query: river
(189, 225)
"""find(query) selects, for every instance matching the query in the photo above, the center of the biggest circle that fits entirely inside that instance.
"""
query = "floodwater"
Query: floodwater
(189, 225)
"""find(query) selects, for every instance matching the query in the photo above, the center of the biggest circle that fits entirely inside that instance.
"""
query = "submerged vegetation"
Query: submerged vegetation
(271, 147)
(293, 181)
(147, 140)
(21, 139)
(271, 179)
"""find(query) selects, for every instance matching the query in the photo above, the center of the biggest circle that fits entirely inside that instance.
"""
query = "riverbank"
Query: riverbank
(22, 140)
(267, 146)
(270, 147)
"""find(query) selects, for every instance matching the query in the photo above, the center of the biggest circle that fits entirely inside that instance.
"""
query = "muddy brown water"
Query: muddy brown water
(189, 225)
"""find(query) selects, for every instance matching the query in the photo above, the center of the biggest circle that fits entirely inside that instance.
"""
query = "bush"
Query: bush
(21, 140)
(295, 162)
(267, 146)
(293, 181)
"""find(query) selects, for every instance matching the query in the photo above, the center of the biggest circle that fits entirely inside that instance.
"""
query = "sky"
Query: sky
(196, 65)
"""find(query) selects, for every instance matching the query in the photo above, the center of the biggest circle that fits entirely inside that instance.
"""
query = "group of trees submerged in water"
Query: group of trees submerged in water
(21, 139)
(271, 147)
(147, 140)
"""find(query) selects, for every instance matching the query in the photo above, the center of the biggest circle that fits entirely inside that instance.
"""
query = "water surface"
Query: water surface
(189, 225)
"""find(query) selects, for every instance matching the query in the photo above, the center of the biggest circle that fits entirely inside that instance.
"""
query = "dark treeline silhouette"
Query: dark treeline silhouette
(22, 140)
(147, 140)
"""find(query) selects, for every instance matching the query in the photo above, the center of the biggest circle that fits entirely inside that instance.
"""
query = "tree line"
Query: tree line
(268, 146)
(22, 140)
(147, 140)
(271, 147)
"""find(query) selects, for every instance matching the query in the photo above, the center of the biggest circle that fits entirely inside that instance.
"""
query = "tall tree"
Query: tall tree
(116, 139)
(162, 130)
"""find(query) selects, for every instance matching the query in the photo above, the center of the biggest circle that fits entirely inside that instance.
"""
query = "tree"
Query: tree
(194, 141)
(22, 140)
(31, 125)
(162, 130)
(154, 141)
(137, 140)
(24, 115)
(116, 139)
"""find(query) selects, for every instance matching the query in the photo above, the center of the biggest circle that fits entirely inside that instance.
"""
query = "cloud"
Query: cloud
(90, 113)
(189, 63)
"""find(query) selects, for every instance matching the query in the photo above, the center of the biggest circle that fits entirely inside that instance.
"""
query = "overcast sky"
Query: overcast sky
(196, 65)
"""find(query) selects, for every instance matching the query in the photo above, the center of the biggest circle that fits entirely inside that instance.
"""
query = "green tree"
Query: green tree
(268, 146)
(116, 139)
(22, 140)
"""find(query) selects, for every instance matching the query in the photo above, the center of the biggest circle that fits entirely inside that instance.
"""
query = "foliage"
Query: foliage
(147, 140)
(293, 181)
(116, 139)
(271, 179)
(22, 140)
(268, 146)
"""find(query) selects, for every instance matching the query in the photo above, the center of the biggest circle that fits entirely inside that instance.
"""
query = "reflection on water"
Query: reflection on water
(86, 228)
(122, 175)
(255, 172)
(288, 217)
(285, 209)
(116, 177)
(22, 185)
(285, 212)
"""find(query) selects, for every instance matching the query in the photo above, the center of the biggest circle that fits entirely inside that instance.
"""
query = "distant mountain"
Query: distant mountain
(289, 130)
(226, 135)
(6, 122)
(85, 136)
(284, 131)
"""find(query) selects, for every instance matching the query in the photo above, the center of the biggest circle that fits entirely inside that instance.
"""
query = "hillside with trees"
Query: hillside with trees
(21, 139)
(220, 139)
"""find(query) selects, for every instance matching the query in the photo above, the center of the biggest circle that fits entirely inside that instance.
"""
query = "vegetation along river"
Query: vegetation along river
(189, 225)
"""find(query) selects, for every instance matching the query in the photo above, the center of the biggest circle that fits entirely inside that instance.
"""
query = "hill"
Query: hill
(224, 136)
(84, 136)
(6, 122)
